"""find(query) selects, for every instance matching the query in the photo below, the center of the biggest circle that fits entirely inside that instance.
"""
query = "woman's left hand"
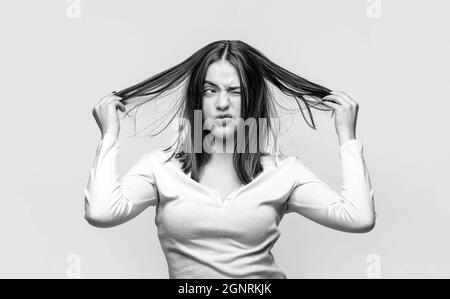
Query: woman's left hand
(345, 110)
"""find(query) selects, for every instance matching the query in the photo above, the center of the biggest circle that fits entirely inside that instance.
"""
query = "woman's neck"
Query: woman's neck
(222, 151)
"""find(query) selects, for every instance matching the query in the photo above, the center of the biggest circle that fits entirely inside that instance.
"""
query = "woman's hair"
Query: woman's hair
(256, 73)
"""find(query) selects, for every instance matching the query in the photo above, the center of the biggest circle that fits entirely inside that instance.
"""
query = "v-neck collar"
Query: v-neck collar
(234, 193)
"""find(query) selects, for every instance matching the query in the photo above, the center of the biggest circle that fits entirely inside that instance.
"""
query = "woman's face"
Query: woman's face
(221, 96)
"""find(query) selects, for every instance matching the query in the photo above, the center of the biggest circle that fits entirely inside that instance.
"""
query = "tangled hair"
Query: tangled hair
(255, 72)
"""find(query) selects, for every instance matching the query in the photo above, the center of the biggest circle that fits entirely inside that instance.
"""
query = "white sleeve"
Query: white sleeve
(352, 210)
(110, 202)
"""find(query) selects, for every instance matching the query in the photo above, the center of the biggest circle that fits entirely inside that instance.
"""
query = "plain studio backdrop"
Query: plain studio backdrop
(58, 58)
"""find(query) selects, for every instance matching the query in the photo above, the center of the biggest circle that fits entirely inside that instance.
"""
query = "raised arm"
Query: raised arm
(351, 210)
(108, 201)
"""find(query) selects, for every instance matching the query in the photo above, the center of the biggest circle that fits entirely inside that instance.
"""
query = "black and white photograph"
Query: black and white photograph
(211, 140)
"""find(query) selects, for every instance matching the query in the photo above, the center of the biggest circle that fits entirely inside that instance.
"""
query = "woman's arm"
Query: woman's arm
(353, 209)
(110, 202)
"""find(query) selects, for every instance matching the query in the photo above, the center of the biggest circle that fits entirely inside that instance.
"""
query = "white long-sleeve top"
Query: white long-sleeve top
(203, 236)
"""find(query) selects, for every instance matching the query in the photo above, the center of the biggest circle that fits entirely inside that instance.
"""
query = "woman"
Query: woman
(219, 198)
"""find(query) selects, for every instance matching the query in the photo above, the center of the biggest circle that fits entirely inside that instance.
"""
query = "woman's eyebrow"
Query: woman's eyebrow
(215, 85)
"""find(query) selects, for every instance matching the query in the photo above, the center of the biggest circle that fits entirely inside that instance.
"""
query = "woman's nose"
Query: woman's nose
(223, 101)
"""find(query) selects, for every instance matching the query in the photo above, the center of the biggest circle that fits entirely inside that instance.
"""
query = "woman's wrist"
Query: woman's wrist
(109, 135)
(344, 137)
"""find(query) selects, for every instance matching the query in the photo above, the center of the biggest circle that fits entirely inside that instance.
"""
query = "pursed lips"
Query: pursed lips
(224, 118)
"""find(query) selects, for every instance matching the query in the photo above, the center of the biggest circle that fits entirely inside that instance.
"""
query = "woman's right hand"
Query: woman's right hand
(106, 115)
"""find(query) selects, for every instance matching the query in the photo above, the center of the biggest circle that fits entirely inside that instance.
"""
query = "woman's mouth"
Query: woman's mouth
(224, 120)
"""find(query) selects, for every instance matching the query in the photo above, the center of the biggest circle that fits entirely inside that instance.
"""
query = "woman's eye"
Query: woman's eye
(209, 91)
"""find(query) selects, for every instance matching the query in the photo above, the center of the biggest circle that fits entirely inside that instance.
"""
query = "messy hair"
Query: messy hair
(257, 75)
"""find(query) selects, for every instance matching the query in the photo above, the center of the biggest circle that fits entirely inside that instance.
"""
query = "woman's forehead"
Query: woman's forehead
(223, 84)
(222, 74)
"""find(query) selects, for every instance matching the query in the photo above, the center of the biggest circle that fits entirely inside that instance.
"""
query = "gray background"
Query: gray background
(54, 69)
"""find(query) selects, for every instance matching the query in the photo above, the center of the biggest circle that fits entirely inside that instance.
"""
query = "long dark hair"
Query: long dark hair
(255, 71)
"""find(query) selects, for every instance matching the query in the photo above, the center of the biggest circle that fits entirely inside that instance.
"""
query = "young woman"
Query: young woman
(220, 198)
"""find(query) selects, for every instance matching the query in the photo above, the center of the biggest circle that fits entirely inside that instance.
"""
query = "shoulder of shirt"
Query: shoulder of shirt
(158, 155)
(276, 159)
(290, 161)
